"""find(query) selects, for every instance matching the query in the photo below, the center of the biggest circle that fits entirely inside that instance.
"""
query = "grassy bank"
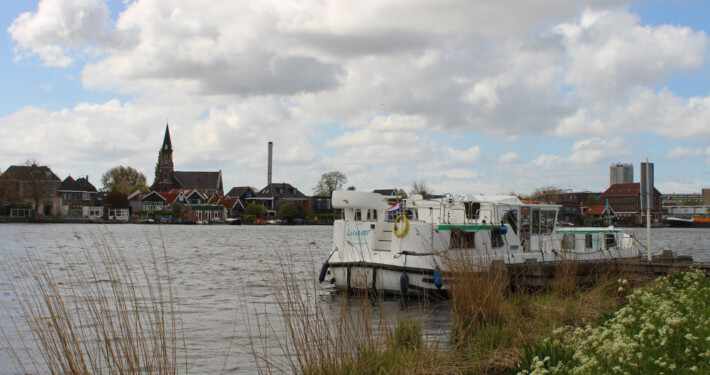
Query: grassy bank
(608, 327)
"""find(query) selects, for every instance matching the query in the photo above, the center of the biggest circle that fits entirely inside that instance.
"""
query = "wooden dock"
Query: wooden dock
(635, 270)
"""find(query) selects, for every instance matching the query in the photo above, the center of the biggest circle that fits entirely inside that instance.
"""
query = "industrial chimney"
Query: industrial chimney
(271, 153)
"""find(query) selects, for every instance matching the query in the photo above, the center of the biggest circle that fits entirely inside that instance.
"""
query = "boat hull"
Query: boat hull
(696, 222)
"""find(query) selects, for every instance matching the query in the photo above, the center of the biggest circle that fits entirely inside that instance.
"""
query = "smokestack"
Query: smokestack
(271, 153)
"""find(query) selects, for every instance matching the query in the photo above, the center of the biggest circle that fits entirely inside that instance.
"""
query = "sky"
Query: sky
(467, 96)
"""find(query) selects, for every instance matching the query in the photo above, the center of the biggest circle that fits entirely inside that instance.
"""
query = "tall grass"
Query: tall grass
(94, 312)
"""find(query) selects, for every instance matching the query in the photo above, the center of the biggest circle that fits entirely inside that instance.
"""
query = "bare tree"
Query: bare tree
(545, 194)
(420, 187)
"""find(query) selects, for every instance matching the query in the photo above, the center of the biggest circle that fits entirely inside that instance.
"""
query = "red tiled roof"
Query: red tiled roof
(622, 190)
(170, 196)
(597, 210)
(625, 190)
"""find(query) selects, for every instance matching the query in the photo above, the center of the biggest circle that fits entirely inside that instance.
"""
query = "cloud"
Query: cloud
(611, 53)
(59, 27)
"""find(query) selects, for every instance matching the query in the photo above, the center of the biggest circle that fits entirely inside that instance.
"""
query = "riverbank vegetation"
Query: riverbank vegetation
(93, 312)
(608, 327)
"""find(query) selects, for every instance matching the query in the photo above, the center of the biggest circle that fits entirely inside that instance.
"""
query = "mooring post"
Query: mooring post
(648, 212)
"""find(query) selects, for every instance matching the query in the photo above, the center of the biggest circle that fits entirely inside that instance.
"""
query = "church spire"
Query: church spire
(167, 144)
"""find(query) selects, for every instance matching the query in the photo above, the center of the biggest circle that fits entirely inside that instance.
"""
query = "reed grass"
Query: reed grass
(95, 312)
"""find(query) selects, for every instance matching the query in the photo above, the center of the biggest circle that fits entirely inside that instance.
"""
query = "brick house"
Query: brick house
(625, 200)
(77, 194)
(35, 186)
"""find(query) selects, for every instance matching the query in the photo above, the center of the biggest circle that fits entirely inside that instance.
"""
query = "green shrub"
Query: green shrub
(665, 328)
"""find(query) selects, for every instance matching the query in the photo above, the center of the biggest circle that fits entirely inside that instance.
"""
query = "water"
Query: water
(225, 277)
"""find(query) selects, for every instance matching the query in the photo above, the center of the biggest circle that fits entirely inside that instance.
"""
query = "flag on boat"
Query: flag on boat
(395, 207)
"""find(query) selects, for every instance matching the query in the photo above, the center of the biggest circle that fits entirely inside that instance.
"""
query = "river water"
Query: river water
(225, 278)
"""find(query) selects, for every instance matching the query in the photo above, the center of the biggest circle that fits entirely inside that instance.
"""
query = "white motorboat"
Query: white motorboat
(409, 247)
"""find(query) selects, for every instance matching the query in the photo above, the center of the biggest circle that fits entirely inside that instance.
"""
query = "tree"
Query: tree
(351, 188)
(290, 210)
(256, 210)
(592, 200)
(329, 182)
(420, 187)
(8, 190)
(545, 194)
(124, 180)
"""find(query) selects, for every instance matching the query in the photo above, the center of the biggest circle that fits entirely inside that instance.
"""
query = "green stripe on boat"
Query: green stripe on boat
(464, 227)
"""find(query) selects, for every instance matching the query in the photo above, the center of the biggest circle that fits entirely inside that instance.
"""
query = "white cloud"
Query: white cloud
(611, 52)
(509, 158)
(58, 27)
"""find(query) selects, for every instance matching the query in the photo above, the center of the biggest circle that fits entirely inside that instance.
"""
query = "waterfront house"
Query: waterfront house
(35, 187)
(152, 202)
(625, 201)
(276, 194)
(572, 203)
(241, 194)
(603, 213)
(232, 206)
(77, 194)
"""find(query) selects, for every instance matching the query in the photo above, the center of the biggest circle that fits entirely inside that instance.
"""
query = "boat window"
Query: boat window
(374, 215)
(588, 241)
(496, 238)
(609, 240)
(358, 215)
(368, 215)
(511, 219)
(472, 210)
(547, 221)
(535, 220)
(568, 241)
(462, 240)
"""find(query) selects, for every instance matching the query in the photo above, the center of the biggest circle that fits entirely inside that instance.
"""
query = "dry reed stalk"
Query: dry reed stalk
(476, 287)
(101, 313)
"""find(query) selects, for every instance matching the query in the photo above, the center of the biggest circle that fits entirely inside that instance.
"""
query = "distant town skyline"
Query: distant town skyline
(503, 98)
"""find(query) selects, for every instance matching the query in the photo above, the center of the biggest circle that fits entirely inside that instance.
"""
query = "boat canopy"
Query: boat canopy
(358, 199)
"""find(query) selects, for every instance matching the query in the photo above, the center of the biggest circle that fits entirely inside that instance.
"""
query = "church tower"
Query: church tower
(166, 173)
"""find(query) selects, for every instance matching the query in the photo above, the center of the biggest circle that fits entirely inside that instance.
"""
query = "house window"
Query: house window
(85, 196)
(51, 190)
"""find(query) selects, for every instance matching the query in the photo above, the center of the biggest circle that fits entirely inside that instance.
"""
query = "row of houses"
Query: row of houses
(34, 191)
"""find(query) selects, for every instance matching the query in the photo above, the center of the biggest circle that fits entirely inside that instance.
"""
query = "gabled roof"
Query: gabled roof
(31, 173)
(281, 190)
(170, 196)
(153, 194)
(199, 180)
(386, 192)
(596, 210)
(625, 190)
(238, 191)
(81, 184)
(224, 201)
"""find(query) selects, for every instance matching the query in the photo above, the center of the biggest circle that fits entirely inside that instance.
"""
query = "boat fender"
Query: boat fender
(404, 283)
(323, 271)
(437, 279)
(502, 229)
